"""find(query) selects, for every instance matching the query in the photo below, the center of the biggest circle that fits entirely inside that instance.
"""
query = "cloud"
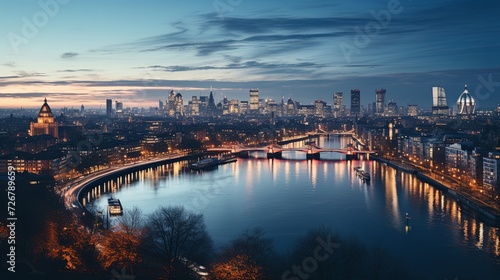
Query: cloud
(24, 74)
(9, 64)
(69, 55)
(75, 70)
(234, 65)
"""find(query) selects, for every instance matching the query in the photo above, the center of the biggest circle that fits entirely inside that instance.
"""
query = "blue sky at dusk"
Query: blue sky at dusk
(81, 52)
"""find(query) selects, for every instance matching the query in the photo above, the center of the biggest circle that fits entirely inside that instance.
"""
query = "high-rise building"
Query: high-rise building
(392, 108)
(179, 105)
(355, 102)
(119, 108)
(160, 105)
(380, 101)
(211, 109)
(45, 122)
(194, 106)
(466, 105)
(234, 106)
(254, 101)
(412, 110)
(243, 107)
(337, 104)
(491, 171)
(319, 108)
(170, 107)
(291, 108)
(109, 107)
(439, 105)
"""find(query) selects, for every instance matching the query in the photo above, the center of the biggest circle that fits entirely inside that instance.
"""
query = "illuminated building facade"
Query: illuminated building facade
(466, 105)
(45, 122)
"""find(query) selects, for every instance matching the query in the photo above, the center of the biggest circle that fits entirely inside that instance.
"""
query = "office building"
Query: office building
(109, 107)
(439, 105)
(337, 104)
(355, 102)
(254, 101)
(412, 110)
(380, 101)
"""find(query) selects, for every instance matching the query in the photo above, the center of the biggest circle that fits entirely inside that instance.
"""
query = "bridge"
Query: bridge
(275, 151)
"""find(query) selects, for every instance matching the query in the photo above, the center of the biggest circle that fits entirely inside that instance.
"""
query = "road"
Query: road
(71, 189)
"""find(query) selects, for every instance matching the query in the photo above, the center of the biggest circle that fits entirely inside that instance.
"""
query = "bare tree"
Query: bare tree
(177, 238)
(132, 221)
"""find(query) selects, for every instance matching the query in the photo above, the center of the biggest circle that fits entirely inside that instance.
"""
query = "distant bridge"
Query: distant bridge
(275, 151)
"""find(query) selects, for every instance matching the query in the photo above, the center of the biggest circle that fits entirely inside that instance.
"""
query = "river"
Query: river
(289, 196)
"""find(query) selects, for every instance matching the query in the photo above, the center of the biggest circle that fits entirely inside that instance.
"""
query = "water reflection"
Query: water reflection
(289, 196)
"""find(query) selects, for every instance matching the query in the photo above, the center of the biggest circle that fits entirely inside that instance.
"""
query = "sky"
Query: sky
(76, 52)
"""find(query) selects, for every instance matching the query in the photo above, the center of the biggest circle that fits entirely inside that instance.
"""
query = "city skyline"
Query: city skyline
(56, 50)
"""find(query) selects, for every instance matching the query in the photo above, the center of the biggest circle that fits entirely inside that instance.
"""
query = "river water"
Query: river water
(287, 197)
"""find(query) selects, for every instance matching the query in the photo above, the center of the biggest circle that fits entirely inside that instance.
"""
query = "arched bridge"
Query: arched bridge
(275, 151)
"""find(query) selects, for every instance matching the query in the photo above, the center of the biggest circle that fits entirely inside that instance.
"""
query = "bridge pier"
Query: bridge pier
(243, 154)
(313, 156)
(351, 156)
(272, 154)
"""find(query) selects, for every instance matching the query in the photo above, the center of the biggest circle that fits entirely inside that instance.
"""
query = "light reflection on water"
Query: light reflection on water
(288, 197)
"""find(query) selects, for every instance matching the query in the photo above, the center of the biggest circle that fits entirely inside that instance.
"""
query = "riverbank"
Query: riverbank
(466, 201)
(76, 190)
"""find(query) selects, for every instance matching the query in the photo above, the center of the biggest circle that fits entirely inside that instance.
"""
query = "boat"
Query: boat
(205, 163)
(366, 176)
(115, 206)
(227, 159)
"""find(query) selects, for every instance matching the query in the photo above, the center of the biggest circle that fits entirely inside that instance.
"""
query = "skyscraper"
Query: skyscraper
(160, 105)
(170, 105)
(179, 105)
(380, 101)
(194, 106)
(254, 101)
(319, 108)
(109, 107)
(211, 105)
(439, 105)
(337, 104)
(355, 102)
(119, 108)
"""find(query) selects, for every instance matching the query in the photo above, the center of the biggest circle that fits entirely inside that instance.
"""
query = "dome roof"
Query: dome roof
(45, 111)
(466, 104)
(290, 101)
(179, 95)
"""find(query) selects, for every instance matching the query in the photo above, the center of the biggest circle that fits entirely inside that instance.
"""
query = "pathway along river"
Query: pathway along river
(289, 196)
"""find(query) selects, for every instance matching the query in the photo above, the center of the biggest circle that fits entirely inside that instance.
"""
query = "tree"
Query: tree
(320, 247)
(68, 244)
(177, 238)
(239, 267)
(254, 246)
(120, 248)
(132, 221)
